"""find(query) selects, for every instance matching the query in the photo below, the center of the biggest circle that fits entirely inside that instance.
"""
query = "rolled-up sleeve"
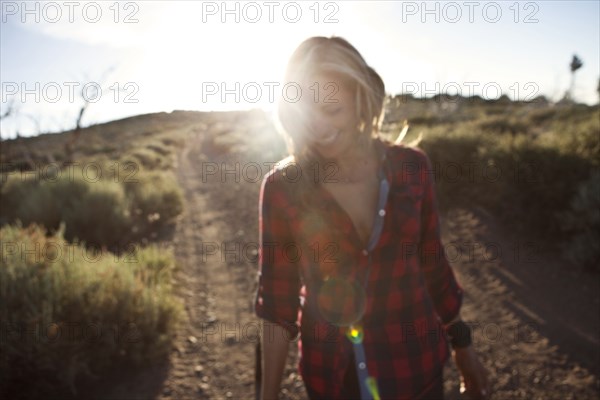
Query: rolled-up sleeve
(277, 297)
(444, 289)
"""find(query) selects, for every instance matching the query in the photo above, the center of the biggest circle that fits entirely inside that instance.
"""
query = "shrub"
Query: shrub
(453, 152)
(503, 124)
(100, 216)
(147, 158)
(14, 192)
(155, 199)
(576, 137)
(537, 177)
(72, 315)
(96, 212)
(159, 148)
(42, 199)
(541, 116)
(109, 212)
(582, 222)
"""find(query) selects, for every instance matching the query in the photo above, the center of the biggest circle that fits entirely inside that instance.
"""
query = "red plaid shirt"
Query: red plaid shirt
(313, 268)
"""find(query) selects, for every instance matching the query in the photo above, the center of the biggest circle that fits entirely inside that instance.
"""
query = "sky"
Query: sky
(152, 56)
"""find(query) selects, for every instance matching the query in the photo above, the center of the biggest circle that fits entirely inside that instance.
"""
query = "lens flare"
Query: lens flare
(372, 385)
(355, 334)
(341, 301)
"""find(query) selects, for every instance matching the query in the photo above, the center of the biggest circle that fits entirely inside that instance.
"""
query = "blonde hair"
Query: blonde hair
(337, 56)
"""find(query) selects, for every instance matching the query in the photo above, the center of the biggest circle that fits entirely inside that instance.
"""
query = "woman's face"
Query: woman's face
(329, 112)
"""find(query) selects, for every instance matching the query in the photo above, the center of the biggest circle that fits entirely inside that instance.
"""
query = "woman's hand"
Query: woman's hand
(474, 377)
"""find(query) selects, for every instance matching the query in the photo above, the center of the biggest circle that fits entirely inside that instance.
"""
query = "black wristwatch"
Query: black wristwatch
(460, 335)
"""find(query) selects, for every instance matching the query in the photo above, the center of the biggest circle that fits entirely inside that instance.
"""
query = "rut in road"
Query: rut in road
(217, 343)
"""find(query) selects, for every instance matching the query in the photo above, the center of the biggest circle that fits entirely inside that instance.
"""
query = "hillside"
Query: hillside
(535, 312)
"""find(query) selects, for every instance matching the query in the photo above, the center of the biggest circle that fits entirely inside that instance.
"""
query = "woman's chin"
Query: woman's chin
(340, 148)
(329, 152)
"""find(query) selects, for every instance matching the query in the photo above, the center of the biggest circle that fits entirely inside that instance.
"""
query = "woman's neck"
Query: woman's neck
(357, 164)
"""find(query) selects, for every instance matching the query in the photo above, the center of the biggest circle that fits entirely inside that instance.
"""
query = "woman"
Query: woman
(350, 254)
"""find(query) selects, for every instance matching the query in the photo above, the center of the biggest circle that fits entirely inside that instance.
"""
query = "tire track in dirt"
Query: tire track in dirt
(211, 359)
(226, 207)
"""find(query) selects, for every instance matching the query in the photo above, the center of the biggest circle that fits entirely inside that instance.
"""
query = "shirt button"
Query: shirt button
(365, 252)
(381, 212)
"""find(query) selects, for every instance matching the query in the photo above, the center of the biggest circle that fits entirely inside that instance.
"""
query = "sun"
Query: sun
(212, 66)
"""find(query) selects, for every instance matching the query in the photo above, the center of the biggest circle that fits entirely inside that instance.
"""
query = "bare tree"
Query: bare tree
(71, 142)
(10, 109)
